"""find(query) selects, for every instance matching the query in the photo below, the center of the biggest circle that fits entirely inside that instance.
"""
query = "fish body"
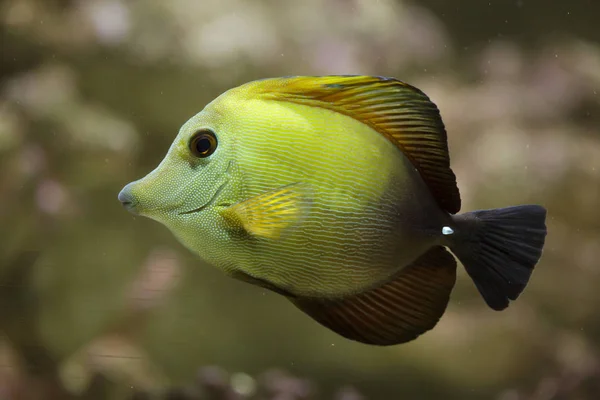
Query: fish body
(337, 193)
(358, 191)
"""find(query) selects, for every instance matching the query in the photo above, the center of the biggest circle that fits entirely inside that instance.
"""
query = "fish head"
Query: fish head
(193, 179)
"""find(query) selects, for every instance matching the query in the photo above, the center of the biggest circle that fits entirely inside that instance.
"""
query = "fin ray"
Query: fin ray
(396, 312)
(269, 214)
(500, 249)
(397, 110)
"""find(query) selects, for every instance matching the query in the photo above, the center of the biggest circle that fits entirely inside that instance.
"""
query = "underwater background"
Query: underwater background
(98, 304)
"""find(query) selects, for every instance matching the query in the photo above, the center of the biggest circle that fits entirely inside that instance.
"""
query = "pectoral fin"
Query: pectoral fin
(269, 214)
(397, 312)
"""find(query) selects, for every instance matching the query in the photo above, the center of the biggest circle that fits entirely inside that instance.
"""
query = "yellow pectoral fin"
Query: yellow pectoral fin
(269, 214)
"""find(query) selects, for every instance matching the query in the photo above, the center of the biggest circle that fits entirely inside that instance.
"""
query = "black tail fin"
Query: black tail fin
(499, 249)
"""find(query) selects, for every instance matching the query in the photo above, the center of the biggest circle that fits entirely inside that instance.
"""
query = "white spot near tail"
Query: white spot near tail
(447, 230)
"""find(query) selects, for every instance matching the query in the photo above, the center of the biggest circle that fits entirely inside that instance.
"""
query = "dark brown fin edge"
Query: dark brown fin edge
(400, 112)
(396, 312)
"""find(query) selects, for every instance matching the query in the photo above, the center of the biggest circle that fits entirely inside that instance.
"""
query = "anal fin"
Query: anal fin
(396, 312)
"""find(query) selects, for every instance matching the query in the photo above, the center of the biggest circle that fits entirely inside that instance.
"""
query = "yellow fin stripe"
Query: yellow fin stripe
(269, 214)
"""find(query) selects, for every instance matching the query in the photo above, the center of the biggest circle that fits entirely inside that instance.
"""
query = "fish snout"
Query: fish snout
(127, 199)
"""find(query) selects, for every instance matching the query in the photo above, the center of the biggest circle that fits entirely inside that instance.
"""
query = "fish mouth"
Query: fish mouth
(209, 202)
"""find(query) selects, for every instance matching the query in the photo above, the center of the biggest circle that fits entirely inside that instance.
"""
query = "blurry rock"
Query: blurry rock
(111, 20)
(279, 382)
(348, 393)
(157, 278)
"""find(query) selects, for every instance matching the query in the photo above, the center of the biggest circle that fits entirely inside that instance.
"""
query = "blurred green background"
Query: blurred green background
(92, 92)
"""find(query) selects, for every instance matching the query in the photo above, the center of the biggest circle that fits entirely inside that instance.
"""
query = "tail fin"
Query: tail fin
(499, 249)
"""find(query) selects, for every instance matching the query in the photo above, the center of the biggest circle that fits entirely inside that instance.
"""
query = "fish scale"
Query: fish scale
(337, 193)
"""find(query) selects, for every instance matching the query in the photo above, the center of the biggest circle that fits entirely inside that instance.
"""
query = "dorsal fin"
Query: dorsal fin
(400, 112)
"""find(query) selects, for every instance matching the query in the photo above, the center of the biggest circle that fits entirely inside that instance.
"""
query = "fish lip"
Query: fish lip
(130, 204)
(209, 202)
(128, 201)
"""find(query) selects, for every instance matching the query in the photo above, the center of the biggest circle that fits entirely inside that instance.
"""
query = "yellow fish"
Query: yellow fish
(336, 192)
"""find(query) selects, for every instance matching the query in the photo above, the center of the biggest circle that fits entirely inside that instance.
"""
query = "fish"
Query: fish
(336, 192)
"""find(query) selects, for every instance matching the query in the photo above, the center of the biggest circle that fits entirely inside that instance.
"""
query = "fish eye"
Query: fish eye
(203, 143)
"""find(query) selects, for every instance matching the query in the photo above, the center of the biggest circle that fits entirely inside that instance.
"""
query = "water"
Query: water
(96, 303)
